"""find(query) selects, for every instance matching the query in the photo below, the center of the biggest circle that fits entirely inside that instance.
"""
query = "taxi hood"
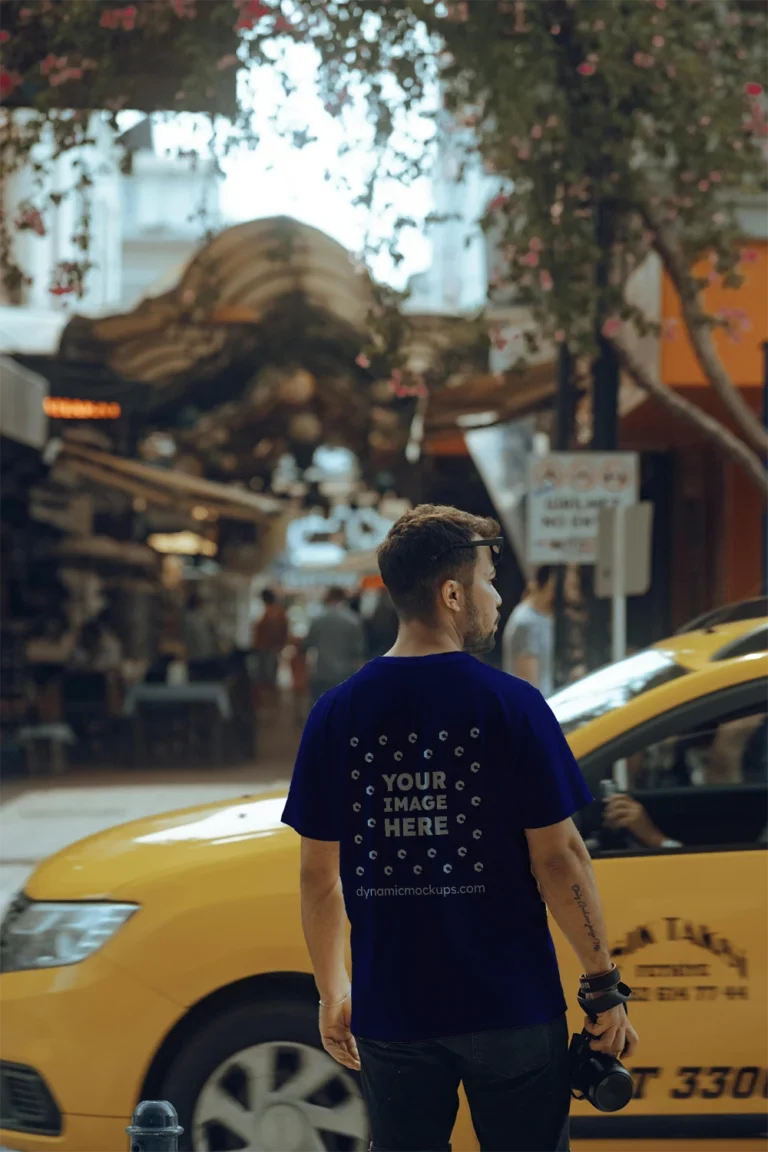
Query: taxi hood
(129, 857)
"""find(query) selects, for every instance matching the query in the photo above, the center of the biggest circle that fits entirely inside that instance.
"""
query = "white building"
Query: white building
(166, 203)
(144, 228)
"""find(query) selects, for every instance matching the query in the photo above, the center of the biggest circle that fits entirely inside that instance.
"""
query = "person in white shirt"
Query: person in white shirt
(528, 642)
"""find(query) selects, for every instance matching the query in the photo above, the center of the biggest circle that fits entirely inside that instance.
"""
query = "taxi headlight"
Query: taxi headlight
(38, 934)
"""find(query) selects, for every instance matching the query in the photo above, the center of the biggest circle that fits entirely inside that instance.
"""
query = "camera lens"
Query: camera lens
(614, 1091)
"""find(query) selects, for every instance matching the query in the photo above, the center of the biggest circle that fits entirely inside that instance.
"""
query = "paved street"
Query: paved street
(42, 815)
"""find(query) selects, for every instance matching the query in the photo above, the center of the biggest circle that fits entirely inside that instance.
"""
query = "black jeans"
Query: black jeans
(516, 1081)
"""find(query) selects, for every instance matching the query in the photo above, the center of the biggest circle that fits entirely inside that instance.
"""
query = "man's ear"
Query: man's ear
(451, 594)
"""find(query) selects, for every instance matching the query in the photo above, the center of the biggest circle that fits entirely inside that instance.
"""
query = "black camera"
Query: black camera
(597, 1077)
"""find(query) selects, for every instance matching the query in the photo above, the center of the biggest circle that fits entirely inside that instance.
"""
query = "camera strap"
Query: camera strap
(611, 998)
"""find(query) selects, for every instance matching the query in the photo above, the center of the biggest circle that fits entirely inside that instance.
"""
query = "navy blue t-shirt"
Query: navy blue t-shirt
(428, 770)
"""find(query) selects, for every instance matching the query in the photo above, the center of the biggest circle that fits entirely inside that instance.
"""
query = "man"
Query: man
(270, 636)
(337, 637)
(198, 632)
(436, 793)
(528, 644)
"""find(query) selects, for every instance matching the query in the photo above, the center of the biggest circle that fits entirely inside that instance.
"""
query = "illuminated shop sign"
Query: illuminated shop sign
(66, 408)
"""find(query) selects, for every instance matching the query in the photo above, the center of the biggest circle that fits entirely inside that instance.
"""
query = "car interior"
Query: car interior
(706, 788)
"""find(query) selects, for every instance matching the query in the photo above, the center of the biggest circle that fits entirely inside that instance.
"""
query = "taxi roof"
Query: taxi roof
(694, 650)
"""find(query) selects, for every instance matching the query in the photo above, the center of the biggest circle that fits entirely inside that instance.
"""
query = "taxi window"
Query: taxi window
(704, 785)
(613, 686)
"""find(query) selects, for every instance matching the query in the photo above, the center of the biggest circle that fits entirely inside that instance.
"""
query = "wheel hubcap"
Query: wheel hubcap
(280, 1097)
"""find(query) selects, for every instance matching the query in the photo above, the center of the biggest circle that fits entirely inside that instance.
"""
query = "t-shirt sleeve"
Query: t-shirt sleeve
(552, 786)
(525, 640)
(313, 806)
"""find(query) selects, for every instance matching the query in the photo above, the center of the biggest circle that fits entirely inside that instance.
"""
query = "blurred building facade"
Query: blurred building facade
(707, 536)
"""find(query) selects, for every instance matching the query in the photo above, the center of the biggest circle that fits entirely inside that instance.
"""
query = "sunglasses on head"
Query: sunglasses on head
(495, 543)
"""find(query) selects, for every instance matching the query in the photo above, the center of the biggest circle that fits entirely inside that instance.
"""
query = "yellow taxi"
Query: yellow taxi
(164, 959)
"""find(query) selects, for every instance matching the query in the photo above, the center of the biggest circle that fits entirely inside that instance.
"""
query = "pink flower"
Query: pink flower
(555, 29)
(8, 82)
(31, 221)
(283, 25)
(51, 62)
(643, 60)
(658, 41)
(661, 4)
(669, 329)
(524, 152)
(705, 120)
(719, 218)
(184, 9)
(703, 185)
(530, 259)
(4, 36)
(715, 177)
(552, 121)
(228, 61)
(251, 13)
(498, 202)
(459, 12)
(536, 132)
(119, 18)
(611, 327)
(535, 244)
(546, 281)
(749, 256)
(586, 69)
(753, 89)
(362, 361)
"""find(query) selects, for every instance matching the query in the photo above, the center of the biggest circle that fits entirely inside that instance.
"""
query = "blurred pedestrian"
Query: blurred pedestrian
(528, 643)
(337, 638)
(434, 796)
(270, 636)
(198, 632)
(381, 626)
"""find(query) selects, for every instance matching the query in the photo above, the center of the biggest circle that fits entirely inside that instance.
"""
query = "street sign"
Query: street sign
(566, 491)
(635, 565)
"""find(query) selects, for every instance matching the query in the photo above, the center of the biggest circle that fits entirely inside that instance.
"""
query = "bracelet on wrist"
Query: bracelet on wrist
(335, 1003)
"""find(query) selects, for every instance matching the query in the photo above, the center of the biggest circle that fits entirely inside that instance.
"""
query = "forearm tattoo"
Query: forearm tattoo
(588, 925)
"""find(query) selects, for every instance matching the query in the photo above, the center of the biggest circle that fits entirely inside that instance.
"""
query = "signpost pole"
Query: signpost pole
(619, 599)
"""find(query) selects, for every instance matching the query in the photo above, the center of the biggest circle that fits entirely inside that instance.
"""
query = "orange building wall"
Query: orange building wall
(740, 560)
(743, 359)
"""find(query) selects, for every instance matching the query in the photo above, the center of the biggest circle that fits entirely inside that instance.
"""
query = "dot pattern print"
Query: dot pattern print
(417, 809)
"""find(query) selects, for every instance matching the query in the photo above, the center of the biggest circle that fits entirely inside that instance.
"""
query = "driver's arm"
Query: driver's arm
(623, 812)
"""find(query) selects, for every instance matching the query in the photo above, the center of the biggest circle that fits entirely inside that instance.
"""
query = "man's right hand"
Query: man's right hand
(613, 1033)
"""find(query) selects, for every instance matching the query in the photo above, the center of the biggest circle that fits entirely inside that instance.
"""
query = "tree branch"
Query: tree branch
(718, 433)
(700, 333)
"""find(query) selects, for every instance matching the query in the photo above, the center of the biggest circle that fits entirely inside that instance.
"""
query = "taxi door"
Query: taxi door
(687, 927)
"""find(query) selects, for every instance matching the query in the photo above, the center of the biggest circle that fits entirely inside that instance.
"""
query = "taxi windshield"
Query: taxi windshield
(613, 686)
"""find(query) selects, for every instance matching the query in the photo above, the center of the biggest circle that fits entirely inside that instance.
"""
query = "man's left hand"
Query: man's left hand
(336, 1036)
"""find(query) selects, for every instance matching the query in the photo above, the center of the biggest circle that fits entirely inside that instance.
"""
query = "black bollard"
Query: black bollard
(155, 1127)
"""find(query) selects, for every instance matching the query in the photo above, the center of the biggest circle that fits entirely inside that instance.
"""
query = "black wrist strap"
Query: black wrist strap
(609, 999)
(601, 983)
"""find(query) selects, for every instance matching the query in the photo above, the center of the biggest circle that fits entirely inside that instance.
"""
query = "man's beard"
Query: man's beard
(476, 640)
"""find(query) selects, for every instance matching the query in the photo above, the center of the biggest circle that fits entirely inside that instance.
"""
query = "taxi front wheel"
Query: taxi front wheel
(255, 1077)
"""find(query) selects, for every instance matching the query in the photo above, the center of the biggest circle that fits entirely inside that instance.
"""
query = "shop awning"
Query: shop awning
(236, 282)
(159, 486)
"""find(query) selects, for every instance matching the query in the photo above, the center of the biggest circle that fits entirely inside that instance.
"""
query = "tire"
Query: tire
(255, 1077)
